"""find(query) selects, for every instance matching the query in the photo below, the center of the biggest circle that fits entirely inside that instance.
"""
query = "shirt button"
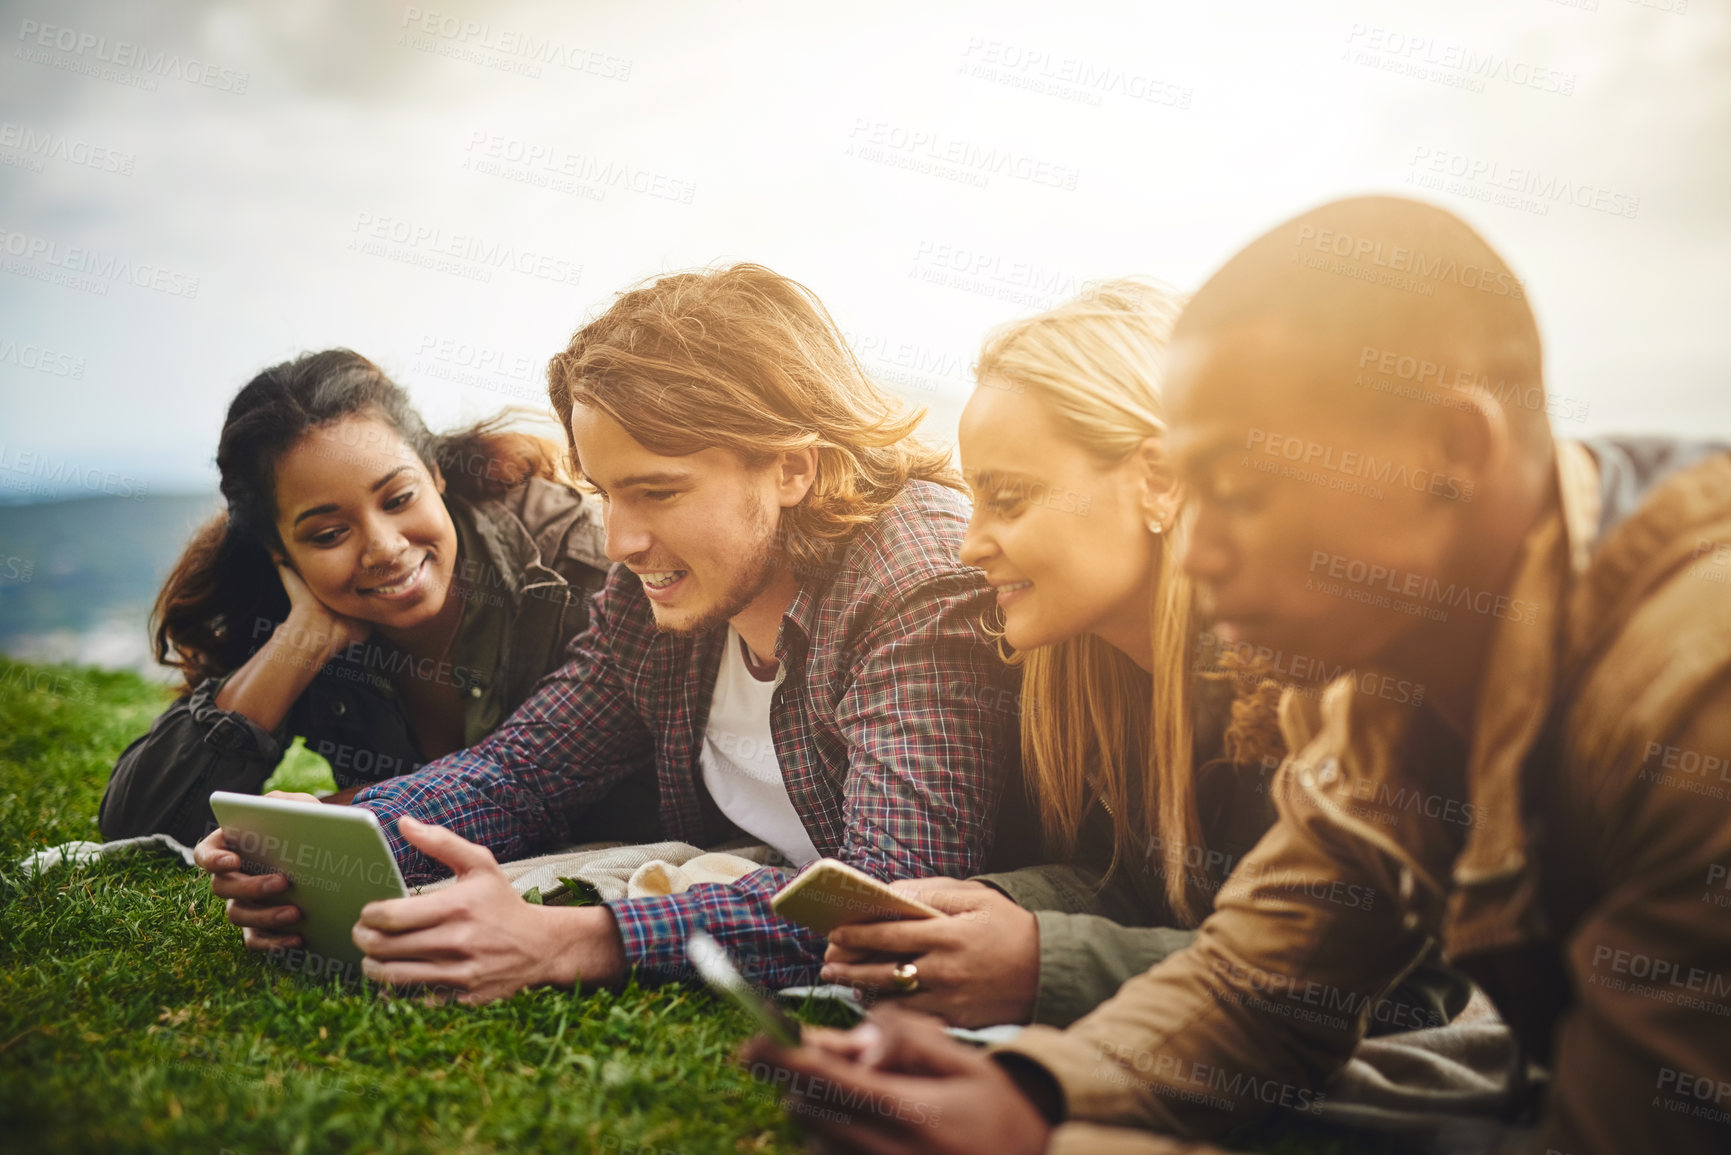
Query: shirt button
(339, 708)
(474, 691)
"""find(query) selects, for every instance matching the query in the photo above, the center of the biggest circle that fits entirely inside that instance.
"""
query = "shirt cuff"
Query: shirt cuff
(1085, 959)
(229, 731)
(654, 932)
(1093, 1086)
(1057, 996)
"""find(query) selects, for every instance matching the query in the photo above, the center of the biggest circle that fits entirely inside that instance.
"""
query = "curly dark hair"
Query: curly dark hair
(225, 577)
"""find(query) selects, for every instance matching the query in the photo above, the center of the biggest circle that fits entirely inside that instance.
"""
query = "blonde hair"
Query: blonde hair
(745, 359)
(1094, 364)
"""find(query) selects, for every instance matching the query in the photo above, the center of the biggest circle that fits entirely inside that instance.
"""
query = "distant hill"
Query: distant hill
(77, 578)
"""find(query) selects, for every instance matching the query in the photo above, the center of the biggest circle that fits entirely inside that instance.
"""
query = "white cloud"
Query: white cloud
(754, 107)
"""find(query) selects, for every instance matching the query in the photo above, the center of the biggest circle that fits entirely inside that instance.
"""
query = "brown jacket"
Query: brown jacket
(1572, 858)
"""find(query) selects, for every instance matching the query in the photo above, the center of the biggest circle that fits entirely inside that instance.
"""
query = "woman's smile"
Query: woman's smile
(403, 586)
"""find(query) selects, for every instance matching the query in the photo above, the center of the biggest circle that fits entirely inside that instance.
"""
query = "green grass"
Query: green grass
(132, 1019)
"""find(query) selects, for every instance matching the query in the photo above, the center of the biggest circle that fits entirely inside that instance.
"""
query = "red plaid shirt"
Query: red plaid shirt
(890, 726)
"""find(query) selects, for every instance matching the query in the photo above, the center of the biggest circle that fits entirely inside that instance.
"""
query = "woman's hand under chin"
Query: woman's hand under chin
(312, 621)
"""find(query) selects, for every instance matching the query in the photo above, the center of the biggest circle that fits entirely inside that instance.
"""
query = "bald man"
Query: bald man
(1358, 413)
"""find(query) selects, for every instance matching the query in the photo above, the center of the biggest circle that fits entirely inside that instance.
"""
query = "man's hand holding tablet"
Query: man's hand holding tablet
(476, 939)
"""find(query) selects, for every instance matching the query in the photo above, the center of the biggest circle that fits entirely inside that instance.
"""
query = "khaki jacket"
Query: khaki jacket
(1572, 856)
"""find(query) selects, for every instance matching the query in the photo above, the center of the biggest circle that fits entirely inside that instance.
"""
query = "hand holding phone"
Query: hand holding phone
(718, 971)
(831, 893)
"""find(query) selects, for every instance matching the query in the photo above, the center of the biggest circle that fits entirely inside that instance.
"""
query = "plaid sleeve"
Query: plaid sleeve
(518, 791)
(932, 732)
(928, 741)
(769, 951)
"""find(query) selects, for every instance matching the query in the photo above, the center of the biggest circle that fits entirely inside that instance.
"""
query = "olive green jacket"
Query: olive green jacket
(1099, 927)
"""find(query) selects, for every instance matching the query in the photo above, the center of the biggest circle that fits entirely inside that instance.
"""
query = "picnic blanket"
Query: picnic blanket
(1441, 1091)
(615, 869)
(81, 852)
(1446, 1090)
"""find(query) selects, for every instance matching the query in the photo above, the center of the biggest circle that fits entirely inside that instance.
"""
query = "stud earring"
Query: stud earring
(1156, 526)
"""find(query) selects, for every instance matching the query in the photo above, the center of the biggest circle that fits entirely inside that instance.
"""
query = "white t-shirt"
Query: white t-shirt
(739, 763)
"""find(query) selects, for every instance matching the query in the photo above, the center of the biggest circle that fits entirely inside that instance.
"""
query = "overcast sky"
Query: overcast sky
(190, 194)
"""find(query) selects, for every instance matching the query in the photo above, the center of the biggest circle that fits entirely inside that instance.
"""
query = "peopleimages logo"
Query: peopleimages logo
(1431, 165)
(880, 140)
(55, 475)
(46, 145)
(76, 259)
(1066, 77)
(1400, 369)
(496, 154)
(124, 54)
(1355, 464)
(42, 360)
(317, 862)
(467, 255)
(1307, 675)
(1458, 65)
(524, 49)
(1399, 259)
(1167, 1074)
(1428, 594)
(992, 275)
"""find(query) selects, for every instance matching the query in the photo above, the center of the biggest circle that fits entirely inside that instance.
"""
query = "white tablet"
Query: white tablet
(336, 859)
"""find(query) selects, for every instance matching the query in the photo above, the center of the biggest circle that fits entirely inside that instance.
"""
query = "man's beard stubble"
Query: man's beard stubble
(753, 578)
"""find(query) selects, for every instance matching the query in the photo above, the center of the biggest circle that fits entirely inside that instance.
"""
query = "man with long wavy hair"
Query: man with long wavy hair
(787, 647)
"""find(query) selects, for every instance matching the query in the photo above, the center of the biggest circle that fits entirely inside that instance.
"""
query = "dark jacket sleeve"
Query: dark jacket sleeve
(162, 782)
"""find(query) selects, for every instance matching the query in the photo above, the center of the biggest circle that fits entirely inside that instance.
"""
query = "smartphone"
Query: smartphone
(719, 972)
(832, 894)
